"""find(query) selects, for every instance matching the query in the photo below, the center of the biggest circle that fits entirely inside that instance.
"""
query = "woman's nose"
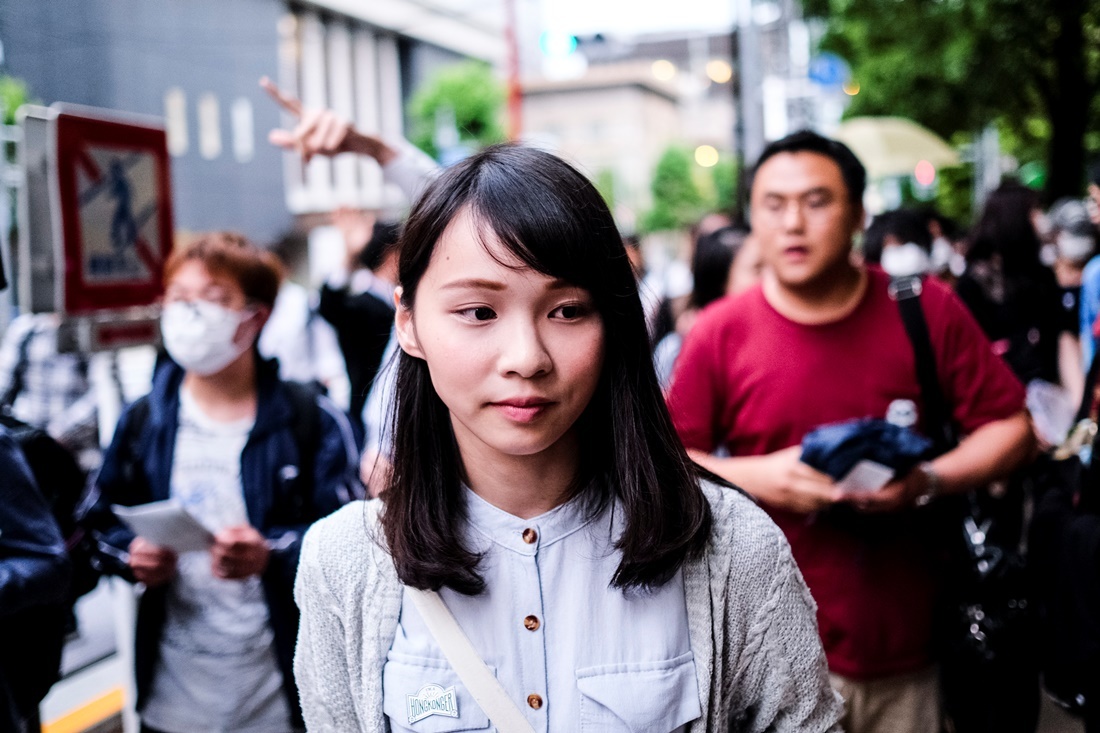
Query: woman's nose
(524, 352)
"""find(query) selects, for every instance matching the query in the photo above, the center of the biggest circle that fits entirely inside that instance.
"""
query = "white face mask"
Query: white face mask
(942, 252)
(1074, 247)
(1043, 227)
(904, 260)
(199, 335)
(1048, 255)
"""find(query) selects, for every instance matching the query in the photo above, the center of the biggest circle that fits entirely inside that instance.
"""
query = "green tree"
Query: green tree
(470, 92)
(724, 175)
(605, 183)
(958, 65)
(13, 95)
(677, 202)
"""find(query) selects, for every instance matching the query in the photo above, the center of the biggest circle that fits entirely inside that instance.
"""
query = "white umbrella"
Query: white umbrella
(893, 146)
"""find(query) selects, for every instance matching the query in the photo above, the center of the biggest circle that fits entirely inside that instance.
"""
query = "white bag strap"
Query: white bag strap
(467, 664)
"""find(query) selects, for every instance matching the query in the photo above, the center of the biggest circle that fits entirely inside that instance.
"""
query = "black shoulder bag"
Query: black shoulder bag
(985, 624)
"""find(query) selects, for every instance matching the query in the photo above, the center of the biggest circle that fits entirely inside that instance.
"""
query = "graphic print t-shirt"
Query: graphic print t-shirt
(217, 669)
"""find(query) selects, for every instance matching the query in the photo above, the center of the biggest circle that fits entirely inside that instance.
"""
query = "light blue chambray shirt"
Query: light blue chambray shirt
(574, 653)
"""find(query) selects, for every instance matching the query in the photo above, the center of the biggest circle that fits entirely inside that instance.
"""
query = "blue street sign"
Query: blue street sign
(829, 70)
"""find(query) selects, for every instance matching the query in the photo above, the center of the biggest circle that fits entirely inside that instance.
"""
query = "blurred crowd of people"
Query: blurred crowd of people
(272, 406)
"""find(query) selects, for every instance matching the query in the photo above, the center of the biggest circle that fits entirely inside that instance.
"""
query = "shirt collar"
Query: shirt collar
(526, 536)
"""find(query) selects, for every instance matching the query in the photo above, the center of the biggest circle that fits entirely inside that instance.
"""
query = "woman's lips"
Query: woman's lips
(523, 411)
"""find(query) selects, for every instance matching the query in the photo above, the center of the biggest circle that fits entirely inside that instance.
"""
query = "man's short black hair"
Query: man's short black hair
(383, 241)
(808, 141)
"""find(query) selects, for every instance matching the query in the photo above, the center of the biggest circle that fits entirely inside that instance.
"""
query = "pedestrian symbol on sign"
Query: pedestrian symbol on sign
(118, 204)
(123, 228)
(110, 174)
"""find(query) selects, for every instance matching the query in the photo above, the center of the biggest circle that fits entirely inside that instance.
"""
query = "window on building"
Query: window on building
(175, 119)
(210, 134)
(244, 135)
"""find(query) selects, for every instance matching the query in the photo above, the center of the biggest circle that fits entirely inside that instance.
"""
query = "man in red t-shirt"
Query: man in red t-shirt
(818, 342)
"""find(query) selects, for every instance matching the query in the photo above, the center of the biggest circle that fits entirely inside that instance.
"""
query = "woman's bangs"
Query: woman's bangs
(546, 222)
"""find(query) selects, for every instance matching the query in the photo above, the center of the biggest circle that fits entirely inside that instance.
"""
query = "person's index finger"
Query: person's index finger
(287, 102)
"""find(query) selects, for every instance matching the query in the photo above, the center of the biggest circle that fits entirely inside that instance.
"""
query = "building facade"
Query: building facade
(196, 63)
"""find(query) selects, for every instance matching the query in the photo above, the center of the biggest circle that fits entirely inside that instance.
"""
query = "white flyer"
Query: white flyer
(866, 477)
(167, 524)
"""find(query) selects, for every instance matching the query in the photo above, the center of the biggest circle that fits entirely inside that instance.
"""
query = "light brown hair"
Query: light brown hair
(228, 254)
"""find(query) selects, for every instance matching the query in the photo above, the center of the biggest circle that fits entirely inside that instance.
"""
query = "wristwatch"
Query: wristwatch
(933, 484)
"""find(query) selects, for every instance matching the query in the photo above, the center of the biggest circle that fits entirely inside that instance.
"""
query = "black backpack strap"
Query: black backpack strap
(907, 291)
(130, 468)
(16, 385)
(306, 427)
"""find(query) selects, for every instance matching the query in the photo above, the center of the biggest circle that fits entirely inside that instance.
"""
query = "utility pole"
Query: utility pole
(515, 89)
(751, 115)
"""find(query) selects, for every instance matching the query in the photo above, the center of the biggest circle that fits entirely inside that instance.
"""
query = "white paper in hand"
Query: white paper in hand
(167, 524)
(865, 477)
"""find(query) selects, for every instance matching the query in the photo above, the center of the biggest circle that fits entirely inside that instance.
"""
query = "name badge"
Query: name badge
(432, 700)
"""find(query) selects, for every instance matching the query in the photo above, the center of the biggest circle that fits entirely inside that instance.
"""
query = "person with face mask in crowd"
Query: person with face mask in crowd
(900, 242)
(1075, 242)
(253, 459)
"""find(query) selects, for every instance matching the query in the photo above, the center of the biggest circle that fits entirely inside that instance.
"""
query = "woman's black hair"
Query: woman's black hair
(1005, 231)
(711, 262)
(906, 225)
(547, 215)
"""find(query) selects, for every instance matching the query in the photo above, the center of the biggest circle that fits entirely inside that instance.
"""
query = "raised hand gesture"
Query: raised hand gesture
(321, 131)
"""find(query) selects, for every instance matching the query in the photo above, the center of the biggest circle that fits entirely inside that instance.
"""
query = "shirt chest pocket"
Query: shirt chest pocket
(425, 695)
(650, 697)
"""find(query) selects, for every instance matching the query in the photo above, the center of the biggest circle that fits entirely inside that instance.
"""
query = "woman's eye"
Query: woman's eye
(481, 313)
(569, 312)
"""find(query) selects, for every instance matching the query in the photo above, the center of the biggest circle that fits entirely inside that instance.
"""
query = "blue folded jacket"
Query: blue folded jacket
(836, 448)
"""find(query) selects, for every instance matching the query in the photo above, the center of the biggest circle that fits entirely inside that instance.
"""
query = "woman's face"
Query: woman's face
(746, 268)
(515, 355)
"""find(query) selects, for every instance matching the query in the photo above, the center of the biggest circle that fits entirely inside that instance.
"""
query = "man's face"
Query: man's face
(1093, 204)
(802, 217)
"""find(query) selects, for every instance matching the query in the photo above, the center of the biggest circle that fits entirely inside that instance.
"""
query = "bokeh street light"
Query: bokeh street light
(706, 156)
(663, 70)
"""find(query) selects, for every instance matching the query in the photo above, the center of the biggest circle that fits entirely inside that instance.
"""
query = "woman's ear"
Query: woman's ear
(406, 329)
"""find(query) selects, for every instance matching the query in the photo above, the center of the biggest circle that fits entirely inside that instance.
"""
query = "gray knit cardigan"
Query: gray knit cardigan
(753, 632)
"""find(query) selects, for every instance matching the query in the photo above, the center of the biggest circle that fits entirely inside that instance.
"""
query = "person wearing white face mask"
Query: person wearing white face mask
(256, 461)
(201, 336)
(1074, 242)
(899, 241)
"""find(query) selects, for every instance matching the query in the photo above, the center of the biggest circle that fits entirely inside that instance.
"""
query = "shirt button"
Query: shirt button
(534, 701)
(531, 623)
(530, 536)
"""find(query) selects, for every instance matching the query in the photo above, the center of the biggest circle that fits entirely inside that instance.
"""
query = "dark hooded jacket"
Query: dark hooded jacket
(281, 503)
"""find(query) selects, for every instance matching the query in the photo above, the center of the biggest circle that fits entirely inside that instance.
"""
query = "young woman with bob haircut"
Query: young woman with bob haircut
(540, 489)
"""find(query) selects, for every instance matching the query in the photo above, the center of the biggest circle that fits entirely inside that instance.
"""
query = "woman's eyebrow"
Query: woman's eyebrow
(559, 284)
(474, 283)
